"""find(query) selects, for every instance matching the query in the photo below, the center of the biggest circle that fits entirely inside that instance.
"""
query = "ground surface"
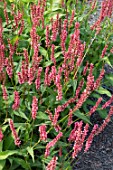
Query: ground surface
(100, 155)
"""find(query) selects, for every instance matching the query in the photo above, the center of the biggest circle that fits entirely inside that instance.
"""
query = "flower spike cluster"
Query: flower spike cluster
(78, 136)
(50, 64)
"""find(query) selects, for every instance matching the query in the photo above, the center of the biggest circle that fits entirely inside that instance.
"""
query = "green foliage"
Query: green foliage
(30, 154)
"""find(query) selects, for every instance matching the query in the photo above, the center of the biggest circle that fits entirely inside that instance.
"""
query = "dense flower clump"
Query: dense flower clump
(48, 74)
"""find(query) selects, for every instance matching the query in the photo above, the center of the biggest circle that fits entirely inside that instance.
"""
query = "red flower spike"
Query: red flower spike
(106, 121)
(43, 134)
(34, 107)
(1, 135)
(14, 133)
(90, 138)
(4, 91)
(52, 143)
(52, 164)
(16, 104)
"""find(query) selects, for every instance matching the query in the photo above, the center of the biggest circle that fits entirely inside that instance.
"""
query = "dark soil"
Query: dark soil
(100, 155)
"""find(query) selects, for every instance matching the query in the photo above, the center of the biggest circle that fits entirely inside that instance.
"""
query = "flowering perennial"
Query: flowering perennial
(90, 138)
(16, 138)
(52, 164)
(52, 143)
(47, 65)
(34, 107)
(5, 95)
(16, 104)
(43, 134)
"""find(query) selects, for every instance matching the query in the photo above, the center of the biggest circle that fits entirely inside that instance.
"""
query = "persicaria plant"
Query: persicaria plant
(52, 61)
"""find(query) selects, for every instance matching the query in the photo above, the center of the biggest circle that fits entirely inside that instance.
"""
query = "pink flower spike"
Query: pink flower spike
(37, 81)
(107, 104)
(52, 143)
(70, 116)
(72, 18)
(14, 133)
(52, 164)
(43, 134)
(16, 104)
(30, 75)
(52, 54)
(93, 109)
(34, 107)
(1, 135)
(4, 91)
(47, 37)
(90, 138)
(104, 51)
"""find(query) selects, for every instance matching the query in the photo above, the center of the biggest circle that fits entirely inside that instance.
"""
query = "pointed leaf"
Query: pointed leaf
(82, 116)
(1, 144)
(41, 115)
(101, 90)
(31, 152)
(21, 162)
(43, 52)
(6, 154)
(2, 164)
(20, 114)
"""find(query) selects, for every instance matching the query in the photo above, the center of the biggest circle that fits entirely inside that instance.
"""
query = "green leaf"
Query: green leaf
(110, 79)
(2, 164)
(90, 102)
(101, 90)
(8, 142)
(21, 162)
(43, 89)
(31, 152)
(1, 144)
(47, 63)
(4, 127)
(23, 44)
(82, 116)
(58, 54)
(102, 113)
(106, 59)
(74, 85)
(6, 154)
(96, 95)
(43, 52)
(26, 1)
(67, 166)
(14, 39)
(20, 114)
(41, 115)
